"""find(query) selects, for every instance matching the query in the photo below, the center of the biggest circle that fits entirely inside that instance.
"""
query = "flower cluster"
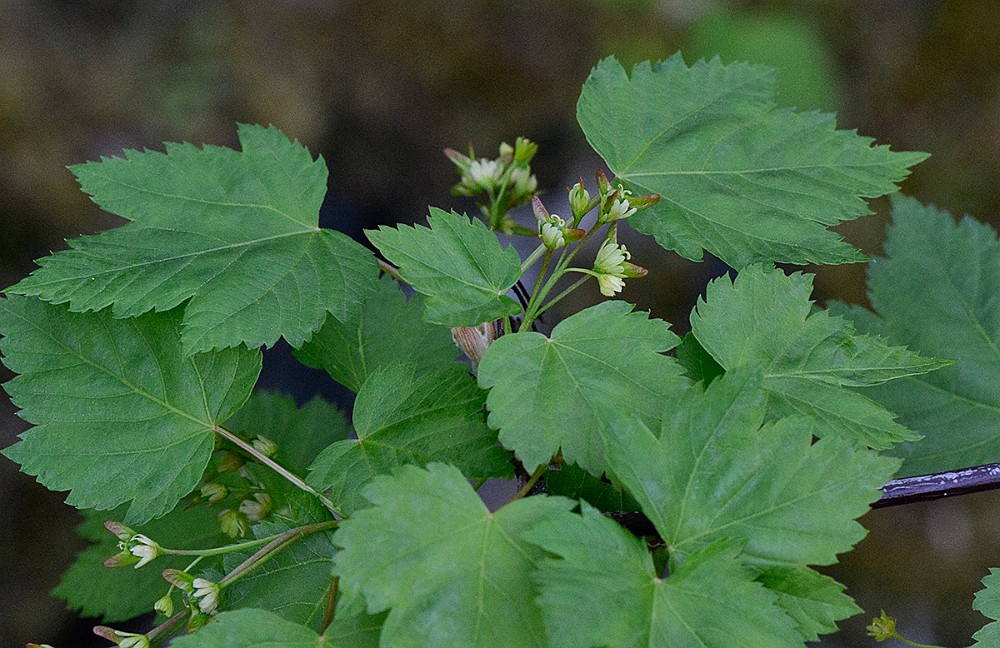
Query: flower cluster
(500, 184)
(202, 595)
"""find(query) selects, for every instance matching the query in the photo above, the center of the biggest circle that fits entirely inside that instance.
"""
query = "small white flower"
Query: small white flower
(164, 605)
(552, 234)
(618, 210)
(207, 594)
(482, 174)
(523, 181)
(145, 549)
(610, 268)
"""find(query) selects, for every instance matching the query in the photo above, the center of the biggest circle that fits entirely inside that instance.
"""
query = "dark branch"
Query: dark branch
(894, 493)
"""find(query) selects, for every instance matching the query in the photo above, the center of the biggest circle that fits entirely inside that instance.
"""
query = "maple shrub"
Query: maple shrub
(672, 491)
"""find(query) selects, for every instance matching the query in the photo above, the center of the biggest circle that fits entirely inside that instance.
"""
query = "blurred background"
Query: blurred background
(379, 88)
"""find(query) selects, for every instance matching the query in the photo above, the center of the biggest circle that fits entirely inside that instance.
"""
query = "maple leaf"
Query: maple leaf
(121, 413)
(450, 572)
(765, 319)
(714, 474)
(547, 392)
(233, 234)
(385, 329)
(457, 263)
(737, 177)
(602, 590)
(402, 417)
(936, 293)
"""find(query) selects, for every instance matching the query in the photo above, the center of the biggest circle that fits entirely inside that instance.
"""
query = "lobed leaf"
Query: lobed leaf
(385, 329)
(402, 417)
(558, 391)
(988, 602)
(602, 590)
(233, 234)
(936, 293)
(738, 177)
(450, 572)
(121, 413)
(765, 319)
(715, 473)
(457, 263)
(816, 602)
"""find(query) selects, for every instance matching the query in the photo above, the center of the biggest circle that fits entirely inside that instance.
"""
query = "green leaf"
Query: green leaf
(235, 233)
(988, 602)
(451, 572)
(715, 473)
(575, 483)
(699, 365)
(294, 584)
(406, 418)
(300, 433)
(548, 392)
(815, 601)
(386, 329)
(738, 177)
(120, 593)
(249, 628)
(765, 319)
(936, 293)
(458, 264)
(252, 628)
(602, 590)
(121, 413)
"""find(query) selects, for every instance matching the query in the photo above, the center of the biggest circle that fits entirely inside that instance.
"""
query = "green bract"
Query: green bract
(708, 475)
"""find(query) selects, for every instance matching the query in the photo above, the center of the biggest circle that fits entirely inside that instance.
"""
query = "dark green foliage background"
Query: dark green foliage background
(380, 87)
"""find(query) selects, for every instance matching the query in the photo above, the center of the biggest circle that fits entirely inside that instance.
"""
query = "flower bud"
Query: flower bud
(552, 236)
(233, 523)
(213, 492)
(121, 531)
(603, 185)
(164, 605)
(459, 160)
(579, 201)
(264, 446)
(524, 151)
(506, 153)
(179, 579)
(258, 508)
(230, 462)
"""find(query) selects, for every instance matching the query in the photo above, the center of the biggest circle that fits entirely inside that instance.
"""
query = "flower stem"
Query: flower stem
(215, 551)
(272, 548)
(535, 255)
(391, 270)
(576, 284)
(528, 485)
(278, 468)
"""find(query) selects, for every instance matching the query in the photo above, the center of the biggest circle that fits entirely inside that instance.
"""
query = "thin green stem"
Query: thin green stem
(331, 605)
(216, 551)
(273, 548)
(528, 485)
(535, 255)
(576, 284)
(278, 468)
(167, 628)
(914, 643)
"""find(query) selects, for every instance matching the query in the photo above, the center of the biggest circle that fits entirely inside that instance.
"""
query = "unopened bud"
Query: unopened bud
(258, 508)
(230, 462)
(233, 523)
(579, 201)
(213, 492)
(603, 185)
(164, 605)
(121, 531)
(524, 150)
(264, 446)
(506, 153)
